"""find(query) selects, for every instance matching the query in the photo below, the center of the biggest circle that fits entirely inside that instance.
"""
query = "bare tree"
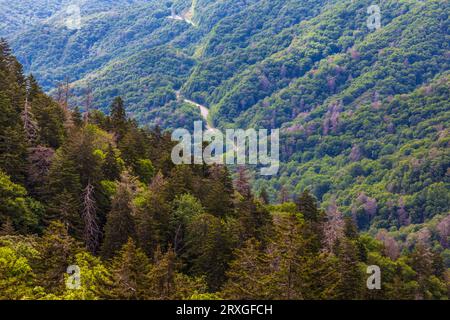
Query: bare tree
(30, 124)
(39, 161)
(333, 228)
(443, 229)
(391, 247)
(284, 195)
(91, 229)
(403, 216)
(242, 184)
(355, 154)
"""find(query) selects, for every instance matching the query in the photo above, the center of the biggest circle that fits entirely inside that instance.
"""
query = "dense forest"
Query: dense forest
(360, 110)
(101, 193)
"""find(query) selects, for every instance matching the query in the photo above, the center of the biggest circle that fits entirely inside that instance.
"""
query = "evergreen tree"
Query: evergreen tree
(314, 220)
(185, 209)
(110, 168)
(217, 192)
(209, 245)
(153, 216)
(129, 269)
(63, 195)
(161, 277)
(56, 250)
(13, 141)
(119, 123)
(120, 225)
(250, 275)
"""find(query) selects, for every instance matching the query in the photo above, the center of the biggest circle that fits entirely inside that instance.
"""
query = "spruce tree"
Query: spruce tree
(119, 123)
(120, 224)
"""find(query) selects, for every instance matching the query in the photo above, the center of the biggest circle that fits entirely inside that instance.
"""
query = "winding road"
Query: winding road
(204, 111)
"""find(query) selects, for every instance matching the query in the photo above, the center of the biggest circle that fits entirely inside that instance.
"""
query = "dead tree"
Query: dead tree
(91, 233)
(63, 96)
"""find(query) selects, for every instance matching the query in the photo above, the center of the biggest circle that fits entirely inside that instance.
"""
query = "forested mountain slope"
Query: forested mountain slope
(137, 52)
(97, 195)
(364, 113)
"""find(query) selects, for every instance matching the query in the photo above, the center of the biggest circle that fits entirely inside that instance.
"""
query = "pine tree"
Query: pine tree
(7, 228)
(185, 209)
(63, 193)
(350, 253)
(13, 142)
(284, 195)
(162, 275)
(48, 115)
(39, 163)
(351, 283)
(254, 218)
(77, 117)
(289, 246)
(307, 205)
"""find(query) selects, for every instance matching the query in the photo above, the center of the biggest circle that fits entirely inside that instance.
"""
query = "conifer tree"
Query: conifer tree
(216, 192)
(185, 208)
(110, 168)
(13, 142)
(56, 250)
(162, 274)
(209, 245)
(250, 275)
(242, 184)
(7, 228)
(91, 232)
(153, 216)
(63, 193)
(120, 225)
(314, 220)
(118, 118)
(129, 270)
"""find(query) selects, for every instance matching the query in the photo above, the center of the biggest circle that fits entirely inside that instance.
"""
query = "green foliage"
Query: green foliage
(24, 212)
(364, 118)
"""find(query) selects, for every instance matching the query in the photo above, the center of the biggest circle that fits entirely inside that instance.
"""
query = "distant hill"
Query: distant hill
(364, 113)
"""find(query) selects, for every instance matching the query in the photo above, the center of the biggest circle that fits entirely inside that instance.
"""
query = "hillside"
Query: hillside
(364, 113)
(92, 207)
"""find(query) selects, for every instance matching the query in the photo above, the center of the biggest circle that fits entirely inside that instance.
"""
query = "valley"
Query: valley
(362, 106)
